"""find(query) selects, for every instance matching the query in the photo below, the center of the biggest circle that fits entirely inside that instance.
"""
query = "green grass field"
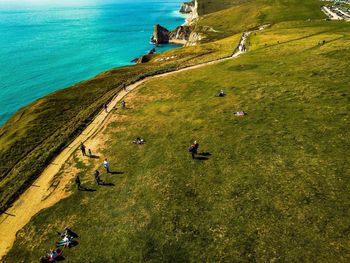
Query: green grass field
(34, 135)
(235, 16)
(272, 186)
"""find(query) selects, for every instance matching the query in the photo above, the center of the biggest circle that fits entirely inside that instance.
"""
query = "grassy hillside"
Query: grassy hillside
(247, 14)
(34, 135)
(271, 186)
(209, 6)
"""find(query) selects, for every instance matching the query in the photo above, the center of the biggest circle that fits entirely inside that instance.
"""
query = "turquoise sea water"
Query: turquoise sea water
(47, 47)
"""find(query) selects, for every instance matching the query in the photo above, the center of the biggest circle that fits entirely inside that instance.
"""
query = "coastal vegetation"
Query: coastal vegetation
(35, 134)
(270, 186)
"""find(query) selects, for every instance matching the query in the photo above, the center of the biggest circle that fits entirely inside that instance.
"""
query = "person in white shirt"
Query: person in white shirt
(106, 165)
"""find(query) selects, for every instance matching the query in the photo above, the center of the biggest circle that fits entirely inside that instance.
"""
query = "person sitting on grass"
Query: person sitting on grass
(222, 93)
(240, 113)
(67, 232)
(139, 141)
(53, 255)
(65, 242)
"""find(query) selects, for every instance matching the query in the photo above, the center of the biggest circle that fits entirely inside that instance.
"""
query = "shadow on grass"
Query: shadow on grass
(106, 184)
(60, 258)
(85, 189)
(74, 243)
(203, 156)
(94, 157)
(116, 172)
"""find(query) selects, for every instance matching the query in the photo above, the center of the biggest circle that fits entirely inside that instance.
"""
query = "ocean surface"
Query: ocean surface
(46, 47)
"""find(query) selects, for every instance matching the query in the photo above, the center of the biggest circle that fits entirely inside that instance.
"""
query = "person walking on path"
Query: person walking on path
(90, 153)
(77, 182)
(97, 177)
(123, 104)
(194, 149)
(82, 148)
(106, 165)
(105, 107)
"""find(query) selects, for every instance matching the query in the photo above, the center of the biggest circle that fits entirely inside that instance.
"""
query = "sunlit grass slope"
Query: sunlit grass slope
(35, 134)
(274, 185)
(244, 15)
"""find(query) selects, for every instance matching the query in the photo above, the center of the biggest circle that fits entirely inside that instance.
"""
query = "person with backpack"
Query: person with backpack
(82, 148)
(194, 149)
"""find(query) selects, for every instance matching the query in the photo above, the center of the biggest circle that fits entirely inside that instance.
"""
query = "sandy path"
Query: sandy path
(41, 195)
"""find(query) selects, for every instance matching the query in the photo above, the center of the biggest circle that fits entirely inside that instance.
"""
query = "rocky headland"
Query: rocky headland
(182, 35)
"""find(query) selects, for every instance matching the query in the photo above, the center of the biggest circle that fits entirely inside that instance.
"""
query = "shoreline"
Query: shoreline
(16, 117)
(45, 198)
(65, 130)
(46, 192)
(91, 76)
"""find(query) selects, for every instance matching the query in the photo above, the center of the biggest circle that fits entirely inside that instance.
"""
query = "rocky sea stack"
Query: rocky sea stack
(160, 35)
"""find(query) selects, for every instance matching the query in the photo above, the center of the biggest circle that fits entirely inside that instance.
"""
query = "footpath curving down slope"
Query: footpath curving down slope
(41, 195)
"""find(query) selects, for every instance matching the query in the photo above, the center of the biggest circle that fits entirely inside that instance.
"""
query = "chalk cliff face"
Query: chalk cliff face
(160, 35)
(193, 14)
(194, 38)
(181, 33)
(187, 7)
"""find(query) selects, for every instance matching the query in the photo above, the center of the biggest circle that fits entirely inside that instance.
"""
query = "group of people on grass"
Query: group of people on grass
(193, 149)
(83, 150)
(96, 175)
(67, 241)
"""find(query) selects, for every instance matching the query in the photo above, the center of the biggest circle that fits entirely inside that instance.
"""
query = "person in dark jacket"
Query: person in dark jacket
(97, 177)
(194, 149)
(90, 153)
(82, 148)
(77, 182)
